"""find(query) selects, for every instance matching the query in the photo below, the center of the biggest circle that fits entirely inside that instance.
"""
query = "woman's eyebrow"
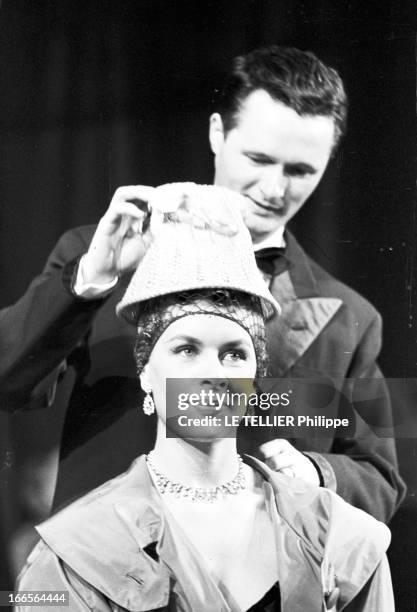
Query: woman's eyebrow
(237, 343)
(184, 338)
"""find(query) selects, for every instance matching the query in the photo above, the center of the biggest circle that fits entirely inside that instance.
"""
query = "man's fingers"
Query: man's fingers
(124, 208)
(282, 457)
(278, 456)
(274, 447)
(132, 193)
(288, 471)
(280, 462)
(123, 216)
(136, 226)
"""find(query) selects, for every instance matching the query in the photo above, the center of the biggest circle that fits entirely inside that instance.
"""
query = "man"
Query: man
(279, 119)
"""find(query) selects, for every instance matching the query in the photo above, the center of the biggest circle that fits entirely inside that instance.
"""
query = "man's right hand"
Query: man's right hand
(118, 243)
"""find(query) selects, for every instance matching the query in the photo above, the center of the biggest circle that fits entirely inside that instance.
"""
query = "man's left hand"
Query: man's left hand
(282, 457)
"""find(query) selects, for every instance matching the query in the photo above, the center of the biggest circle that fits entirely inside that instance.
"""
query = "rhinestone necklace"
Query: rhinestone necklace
(197, 494)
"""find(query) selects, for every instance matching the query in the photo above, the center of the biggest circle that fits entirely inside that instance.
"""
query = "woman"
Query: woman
(192, 526)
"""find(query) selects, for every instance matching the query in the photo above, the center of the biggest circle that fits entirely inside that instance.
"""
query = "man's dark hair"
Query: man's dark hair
(296, 78)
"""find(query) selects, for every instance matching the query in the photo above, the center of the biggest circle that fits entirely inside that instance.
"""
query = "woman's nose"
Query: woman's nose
(216, 384)
(212, 372)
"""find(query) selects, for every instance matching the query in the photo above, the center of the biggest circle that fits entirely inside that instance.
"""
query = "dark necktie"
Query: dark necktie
(271, 260)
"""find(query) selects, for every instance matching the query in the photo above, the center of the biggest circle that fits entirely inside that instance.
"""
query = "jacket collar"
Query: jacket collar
(304, 312)
(123, 518)
(334, 557)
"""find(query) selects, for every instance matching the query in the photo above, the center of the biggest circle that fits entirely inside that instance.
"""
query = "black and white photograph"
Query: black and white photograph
(208, 314)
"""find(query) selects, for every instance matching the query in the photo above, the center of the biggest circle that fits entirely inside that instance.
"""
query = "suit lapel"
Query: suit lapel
(304, 312)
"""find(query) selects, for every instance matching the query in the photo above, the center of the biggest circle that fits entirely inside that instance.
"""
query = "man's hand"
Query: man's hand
(118, 243)
(281, 456)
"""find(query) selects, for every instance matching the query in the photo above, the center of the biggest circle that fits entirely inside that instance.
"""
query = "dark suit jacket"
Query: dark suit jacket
(327, 332)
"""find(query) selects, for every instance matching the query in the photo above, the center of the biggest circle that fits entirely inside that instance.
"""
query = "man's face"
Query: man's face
(273, 156)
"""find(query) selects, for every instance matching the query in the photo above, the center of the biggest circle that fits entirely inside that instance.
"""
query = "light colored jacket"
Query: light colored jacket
(111, 551)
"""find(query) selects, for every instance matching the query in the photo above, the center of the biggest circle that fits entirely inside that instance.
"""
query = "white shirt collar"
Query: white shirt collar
(273, 240)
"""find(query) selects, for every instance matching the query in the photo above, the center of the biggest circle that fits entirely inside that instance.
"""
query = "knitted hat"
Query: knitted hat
(183, 257)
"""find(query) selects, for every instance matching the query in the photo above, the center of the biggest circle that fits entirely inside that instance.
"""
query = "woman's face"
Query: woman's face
(206, 350)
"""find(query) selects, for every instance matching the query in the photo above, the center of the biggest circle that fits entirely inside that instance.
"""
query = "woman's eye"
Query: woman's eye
(185, 350)
(234, 356)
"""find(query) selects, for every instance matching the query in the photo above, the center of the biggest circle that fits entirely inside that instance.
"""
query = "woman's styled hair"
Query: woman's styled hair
(241, 308)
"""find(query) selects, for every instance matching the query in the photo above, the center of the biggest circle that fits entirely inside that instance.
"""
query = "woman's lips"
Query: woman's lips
(209, 409)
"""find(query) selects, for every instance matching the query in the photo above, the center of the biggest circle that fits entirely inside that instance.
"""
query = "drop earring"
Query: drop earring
(148, 404)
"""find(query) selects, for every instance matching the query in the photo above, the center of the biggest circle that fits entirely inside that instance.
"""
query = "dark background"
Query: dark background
(96, 94)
